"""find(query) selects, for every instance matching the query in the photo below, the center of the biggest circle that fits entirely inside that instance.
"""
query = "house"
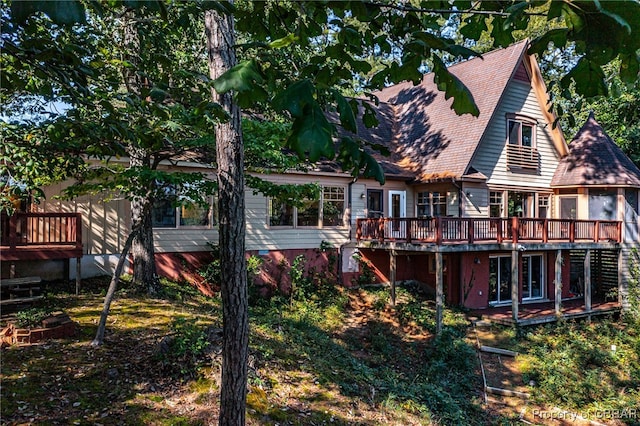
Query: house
(495, 213)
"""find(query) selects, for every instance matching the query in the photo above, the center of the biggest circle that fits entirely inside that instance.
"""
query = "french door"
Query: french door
(532, 277)
(500, 279)
(397, 210)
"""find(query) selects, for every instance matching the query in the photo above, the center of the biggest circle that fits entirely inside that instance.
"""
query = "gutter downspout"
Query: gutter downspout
(349, 219)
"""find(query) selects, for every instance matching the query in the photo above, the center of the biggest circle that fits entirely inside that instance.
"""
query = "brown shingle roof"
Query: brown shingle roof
(594, 159)
(429, 138)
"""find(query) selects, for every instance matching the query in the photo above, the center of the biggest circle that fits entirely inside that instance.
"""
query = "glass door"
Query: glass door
(397, 210)
(500, 279)
(532, 277)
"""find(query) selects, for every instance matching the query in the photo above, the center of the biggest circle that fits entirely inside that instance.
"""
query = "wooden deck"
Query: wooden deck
(456, 230)
(543, 312)
(41, 236)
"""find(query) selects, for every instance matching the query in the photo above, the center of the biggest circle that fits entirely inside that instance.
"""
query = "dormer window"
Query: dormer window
(520, 133)
(522, 155)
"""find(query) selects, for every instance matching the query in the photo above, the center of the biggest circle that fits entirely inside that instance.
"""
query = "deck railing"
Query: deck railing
(449, 230)
(41, 229)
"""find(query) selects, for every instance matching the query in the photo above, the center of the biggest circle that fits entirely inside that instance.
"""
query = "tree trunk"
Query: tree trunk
(142, 250)
(99, 339)
(220, 35)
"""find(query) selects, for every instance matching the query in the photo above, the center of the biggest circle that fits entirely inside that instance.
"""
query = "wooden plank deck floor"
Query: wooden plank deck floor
(543, 312)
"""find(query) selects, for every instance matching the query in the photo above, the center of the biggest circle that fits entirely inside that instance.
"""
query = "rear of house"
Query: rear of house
(494, 212)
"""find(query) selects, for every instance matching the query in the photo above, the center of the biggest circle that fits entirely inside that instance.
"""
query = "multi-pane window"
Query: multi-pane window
(332, 205)
(543, 206)
(280, 213)
(432, 204)
(172, 211)
(495, 204)
(327, 211)
(520, 133)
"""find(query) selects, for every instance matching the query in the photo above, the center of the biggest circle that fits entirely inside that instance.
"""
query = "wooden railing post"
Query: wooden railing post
(471, 231)
(78, 226)
(596, 231)
(439, 226)
(545, 230)
(514, 229)
(572, 231)
(408, 222)
(499, 230)
(381, 229)
(13, 234)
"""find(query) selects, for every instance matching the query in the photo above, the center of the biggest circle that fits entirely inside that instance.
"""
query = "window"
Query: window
(495, 204)
(543, 206)
(332, 206)
(280, 214)
(166, 212)
(522, 155)
(432, 204)
(374, 203)
(520, 133)
(532, 276)
(327, 211)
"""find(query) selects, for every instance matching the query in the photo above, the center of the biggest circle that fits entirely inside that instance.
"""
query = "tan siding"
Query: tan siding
(475, 200)
(490, 157)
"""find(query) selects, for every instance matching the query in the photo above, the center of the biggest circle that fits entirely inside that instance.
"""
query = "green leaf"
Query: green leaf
(347, 118)
(295, 98)
(629, 69)
(445, 44)
(311, 135)
(588, 77)
(501, 34)
(619, 19)
(463, 102)
(557, 35)
(474, 26)
(283, 42)
(243, 77)
(63, 12)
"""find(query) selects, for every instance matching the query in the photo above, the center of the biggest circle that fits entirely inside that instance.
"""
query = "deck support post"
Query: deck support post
(439, 293)
(12, 270)
(622, 293)
(78, 275)
(515, 284)
(587, 281)
(392, 276)
(558, 282)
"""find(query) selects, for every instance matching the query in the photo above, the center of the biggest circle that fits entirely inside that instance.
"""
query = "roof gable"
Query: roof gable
(429, 137)
(594, 159)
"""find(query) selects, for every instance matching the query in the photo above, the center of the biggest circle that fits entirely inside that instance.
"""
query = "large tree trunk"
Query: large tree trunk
(142, 250)
(230, 158)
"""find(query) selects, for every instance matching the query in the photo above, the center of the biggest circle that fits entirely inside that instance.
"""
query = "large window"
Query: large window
(432, 204)
(328, 211)
(172, 211)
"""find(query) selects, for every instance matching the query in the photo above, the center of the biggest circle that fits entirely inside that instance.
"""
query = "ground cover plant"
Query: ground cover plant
(347, 357)
(587, 368)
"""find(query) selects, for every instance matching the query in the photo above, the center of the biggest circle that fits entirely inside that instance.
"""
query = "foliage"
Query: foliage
(186, 347)
(366, 274)
(632, 310)
(32, 317)
(581, 366)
